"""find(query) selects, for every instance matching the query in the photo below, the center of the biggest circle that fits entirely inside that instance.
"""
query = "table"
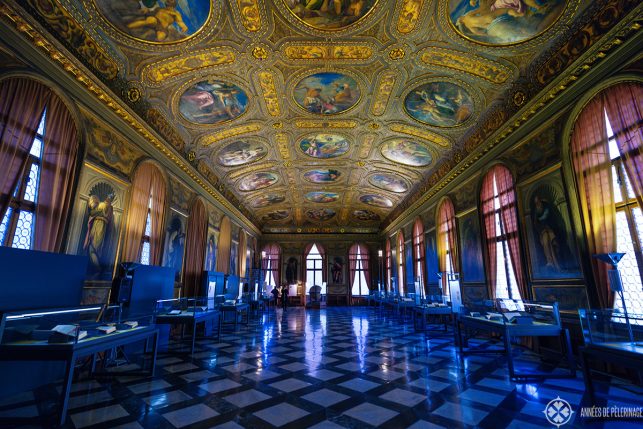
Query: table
(192, 318)
(623, 354)
(240, 310)
(423, 312)
(403, 307)
(32, 350)
(509, 331)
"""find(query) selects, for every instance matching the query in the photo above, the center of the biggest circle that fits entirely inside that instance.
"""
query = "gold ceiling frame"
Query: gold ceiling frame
(325, 125)
(228, 132)
(434, 154)
(313, 53)
(253, 199)
(268, 88)
(251, 13)
(436, 140)
(625, 29)
(283, 145)
(254, 139)
(346, 155)
(410, 12)
(366, 145)
(266, 165)
(227, 78)
(385, 84)
(206, 29)
(465, 62)
(171, 69)
(93, 86)
(272, 186)
(534, 41)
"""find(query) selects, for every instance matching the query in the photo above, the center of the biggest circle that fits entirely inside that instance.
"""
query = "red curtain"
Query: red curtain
(447, 232)
(243, 253)
(273, 253)
(489, 225)
(624, 104)
(352, 265)
(57, 176)
(388, 265)
(22, 102)
(419, 251)
(365, 257)
(401, 287)
(225, 242)
(592, 166)
(195, 247)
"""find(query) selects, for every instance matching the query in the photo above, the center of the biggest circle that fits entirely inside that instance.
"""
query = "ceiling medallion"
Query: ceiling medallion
(519, 98)
(320, 215)
(255, 181)
(330, 15)
(212, 101)
(276, 215)
(151, 22)
(259, 52)
(267, 200)
(508, 23)
(327, 93)
(321, 197)
(191, 156)
(396, 54)
(240, 153)
(133, 94)
(376, 200)
(366, 215)
(441, 104)
(389, 182)
(406, 152)
(324, 145)
(277, 125)
(322, 175)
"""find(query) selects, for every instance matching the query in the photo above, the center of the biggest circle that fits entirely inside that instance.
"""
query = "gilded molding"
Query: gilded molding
(325, 124)
(409, 15)
(300, 51)
(384, 89)
(250, 14)
(267, 83)
(227, 133)
(282, 145)
(74, 35)
(423, 134)
(159, 72)
(467, 63)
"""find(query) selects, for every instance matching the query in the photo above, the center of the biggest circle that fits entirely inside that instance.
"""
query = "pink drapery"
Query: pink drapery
(419, 251)
(57, 176)
(489, 225)
(401, 287)
(447, 232)
(22, 102)
(352, 265)
(148, 180)
(195, 248)
(322, 253)
(366, 263)
(225, 242)
(592, 166)
(243, 253)
(273, 253)
(509, 213)
(389, 271)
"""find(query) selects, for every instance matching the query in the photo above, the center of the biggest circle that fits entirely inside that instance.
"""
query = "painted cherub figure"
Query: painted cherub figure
(162, 19)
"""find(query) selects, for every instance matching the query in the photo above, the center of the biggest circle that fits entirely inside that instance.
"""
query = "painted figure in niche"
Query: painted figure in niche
(320, 214)
(322, 197)
(329, 14)
(337, 270)
(257, 181)
(472, 264)
(551, 234)
(441, 104)
(276, 215)
(175, 240)
(366, 215)
(327, 93)
(211, 254)
(156, 20)
(212, 102)
(503, 21)
(100, 226)
(291, 271)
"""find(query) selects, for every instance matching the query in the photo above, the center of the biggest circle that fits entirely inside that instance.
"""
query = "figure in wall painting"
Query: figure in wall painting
(406, 152)
(327, 93)
(502, 22)
(156, 20)
(324, 145)
(337, 270)
(441, 104)
(291, 271)
(472, 264)
(174, 243)
(212, 102)
(241, 152)
(100, 228)
(211, 253)
(322, 176)
(550, 233)
(330, 14)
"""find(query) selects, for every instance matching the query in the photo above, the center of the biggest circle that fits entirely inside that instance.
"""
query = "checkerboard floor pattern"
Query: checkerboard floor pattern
(331, 368)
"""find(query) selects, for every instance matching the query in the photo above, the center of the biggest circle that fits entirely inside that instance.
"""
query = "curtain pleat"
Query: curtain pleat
(388, 265)
(225, 241)
(365, 256)
(401, 286)
(419, 251)
(195, 247)
(447, 233)
(489, 225)
(243, 253)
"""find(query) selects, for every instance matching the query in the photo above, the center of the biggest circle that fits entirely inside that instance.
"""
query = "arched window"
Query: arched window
(389, 266)
(358, 261)
(607, 160)
(446, 241)
(498, 200)
(38, 156)
(270, 265)
(315, 267)
(400, 263)
(145, 241)
(419, 253)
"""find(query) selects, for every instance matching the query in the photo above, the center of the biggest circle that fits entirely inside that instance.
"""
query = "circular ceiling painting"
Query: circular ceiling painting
(156, 21)
(327, 93)
(329, 15)
(256, 181)
(241, 152)
(267, 200)
(320, 214)
(503, 22)
(441, 104)
(365, 215)
(276, 215)
(322, 176)
(322, 197)
(212, 102)
(376, 200)
(389, 182)
(324, 145)
(406, 152)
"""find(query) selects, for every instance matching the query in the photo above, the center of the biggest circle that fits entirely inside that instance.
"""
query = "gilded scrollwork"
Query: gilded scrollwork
(179, 65)
(327, 52)
(384, 89)
(267, 83)
(229, 132)
(409, 15)
(325, 124)
(250, 14)
(466, 62)
(429, 136)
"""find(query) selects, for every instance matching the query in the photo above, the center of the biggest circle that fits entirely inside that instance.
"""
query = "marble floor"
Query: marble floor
(331, 368)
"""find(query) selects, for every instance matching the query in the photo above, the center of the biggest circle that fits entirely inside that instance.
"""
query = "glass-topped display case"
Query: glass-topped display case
(527, 312)
(611, 328)
(178, 306)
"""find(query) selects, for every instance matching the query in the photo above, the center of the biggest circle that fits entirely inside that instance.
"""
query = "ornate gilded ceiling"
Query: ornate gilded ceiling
(317, 115)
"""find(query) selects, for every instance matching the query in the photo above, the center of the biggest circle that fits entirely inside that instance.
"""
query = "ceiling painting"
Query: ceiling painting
(376, 200)
(327, 93)
(406, 152)
(241, 152)
(212, 102)
(389, 182)
(324, 145)
(327, 175)
(321, 197)
(315, 114)
(256, 181)
(440, 104)
(329, 15)
(156, 21)
(502, 22)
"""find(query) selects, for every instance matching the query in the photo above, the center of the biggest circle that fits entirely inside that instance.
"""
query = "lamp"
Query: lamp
(616, 284)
